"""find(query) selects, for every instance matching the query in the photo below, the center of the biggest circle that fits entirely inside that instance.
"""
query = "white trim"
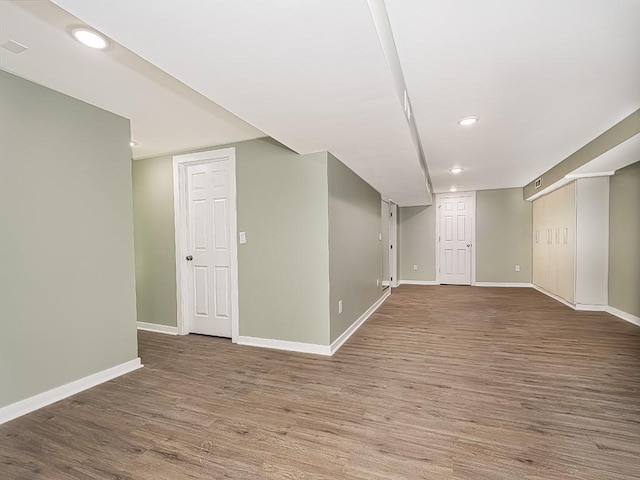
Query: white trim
(623, 315)
(472, 194)
(338, 342)
(418, 282)
(313, 348)
(31, 404)
(504, 284)
(582, 307)
(555, 297)
(180, 163)
(587, 307)
(153, 327)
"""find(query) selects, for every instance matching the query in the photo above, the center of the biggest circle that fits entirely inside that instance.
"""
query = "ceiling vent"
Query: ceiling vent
(538, 183)
(13, 47)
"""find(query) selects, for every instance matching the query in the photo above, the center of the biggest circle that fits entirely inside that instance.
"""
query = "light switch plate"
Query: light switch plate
(243, 237)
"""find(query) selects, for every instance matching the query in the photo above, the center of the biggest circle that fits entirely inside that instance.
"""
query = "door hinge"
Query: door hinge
(391, 247)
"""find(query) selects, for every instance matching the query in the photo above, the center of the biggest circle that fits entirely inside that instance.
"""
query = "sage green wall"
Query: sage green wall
(416, 239)
(282, 203)
(67, 302)
(504, 223)
(154, 240)
(624, 232)
(355, 251)
(283, 267)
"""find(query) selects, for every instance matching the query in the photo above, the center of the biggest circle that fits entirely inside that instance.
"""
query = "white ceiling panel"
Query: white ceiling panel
(544, 76)
(310, 73)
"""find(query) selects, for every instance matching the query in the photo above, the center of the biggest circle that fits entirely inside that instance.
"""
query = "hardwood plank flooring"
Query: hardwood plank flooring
(442, 382)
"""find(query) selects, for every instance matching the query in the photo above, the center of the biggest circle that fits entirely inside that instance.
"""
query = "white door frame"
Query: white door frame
(393, 244)
(439, 198)
(180, 163)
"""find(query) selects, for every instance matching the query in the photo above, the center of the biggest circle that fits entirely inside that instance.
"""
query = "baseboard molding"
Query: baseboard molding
(417, 282)
(586, 307)
(594, 308)
(555, 297)
(623, 315)
(503, 284)
(31, 404)
(285, 345)
(153, 327)
(338, 342)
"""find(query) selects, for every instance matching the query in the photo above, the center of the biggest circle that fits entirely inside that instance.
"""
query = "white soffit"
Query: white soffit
(166, 115)
(545, 77)
(310, 73)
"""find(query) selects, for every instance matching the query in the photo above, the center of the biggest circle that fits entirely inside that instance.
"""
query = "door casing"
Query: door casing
(439, 198)
(180, 163)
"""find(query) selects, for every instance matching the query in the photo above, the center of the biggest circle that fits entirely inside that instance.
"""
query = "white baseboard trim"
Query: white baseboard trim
(31, 404)
(503, 284)
(623, 315)
(587, 307)
(555, 297)
(418, 282)
(338, 342)
(153, 327)
(313, 348)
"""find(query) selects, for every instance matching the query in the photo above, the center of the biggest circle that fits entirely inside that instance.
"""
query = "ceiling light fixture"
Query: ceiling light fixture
(90, 38)
(466, 121)
(456, 170)
(453, 189)
(132, 143)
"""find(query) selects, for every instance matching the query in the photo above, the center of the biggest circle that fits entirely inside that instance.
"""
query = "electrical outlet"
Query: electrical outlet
(517, 268)
(339, 306)
(415, 267)
(378, 282)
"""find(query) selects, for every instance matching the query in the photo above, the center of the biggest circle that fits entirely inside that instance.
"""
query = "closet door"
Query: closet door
(567, 243)
(537, 241)
(552, 214)
(541, 254)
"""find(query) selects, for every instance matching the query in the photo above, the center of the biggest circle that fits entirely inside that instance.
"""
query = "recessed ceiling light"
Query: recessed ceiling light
(453, 189)
(466, 121)
(132, 143)
(456, 170)
(90, 38)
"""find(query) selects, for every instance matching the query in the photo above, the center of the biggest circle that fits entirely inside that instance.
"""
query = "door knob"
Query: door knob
(468, 245)
(189, 257)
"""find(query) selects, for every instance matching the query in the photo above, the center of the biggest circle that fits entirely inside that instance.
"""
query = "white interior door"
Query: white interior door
(207, 250)
(456, 220)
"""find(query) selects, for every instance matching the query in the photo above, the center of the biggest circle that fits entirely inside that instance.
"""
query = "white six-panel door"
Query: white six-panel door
(206, 254)
(455, 238)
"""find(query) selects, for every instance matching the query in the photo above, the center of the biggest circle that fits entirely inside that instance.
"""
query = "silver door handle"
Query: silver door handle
(189, 257)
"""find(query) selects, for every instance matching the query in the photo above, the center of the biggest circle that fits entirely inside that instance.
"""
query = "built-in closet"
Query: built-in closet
(571, 242)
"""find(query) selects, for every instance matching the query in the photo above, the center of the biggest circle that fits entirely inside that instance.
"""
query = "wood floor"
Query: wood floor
(441, 383)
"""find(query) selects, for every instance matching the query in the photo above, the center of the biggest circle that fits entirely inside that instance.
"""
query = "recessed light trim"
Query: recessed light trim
(456, 170)
(453, 189)
(467, 121)
(133, 144)
(90, 38)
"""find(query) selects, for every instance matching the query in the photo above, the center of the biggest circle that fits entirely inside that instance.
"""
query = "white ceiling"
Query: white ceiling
(166, 115)
(544, 76)
(309, 73)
